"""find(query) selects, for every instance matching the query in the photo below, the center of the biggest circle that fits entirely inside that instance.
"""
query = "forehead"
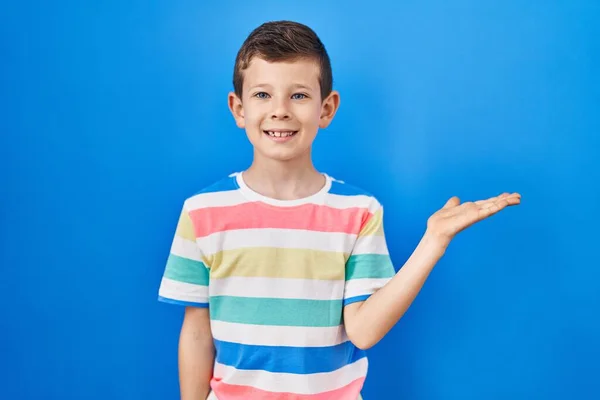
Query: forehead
(277, 73)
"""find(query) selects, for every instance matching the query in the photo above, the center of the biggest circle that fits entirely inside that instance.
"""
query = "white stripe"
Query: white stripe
(359, 287)
(357, 201)
(279, 288)
(215, 199)
(295, 336)
(186, 248)
(279, 238)
(293, 383)
(371, 244)
(234, 197)
(183, 291)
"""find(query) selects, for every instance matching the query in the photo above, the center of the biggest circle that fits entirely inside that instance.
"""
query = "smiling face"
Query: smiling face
(281, 107)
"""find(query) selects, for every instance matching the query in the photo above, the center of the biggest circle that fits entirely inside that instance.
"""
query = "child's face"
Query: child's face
(281, 108)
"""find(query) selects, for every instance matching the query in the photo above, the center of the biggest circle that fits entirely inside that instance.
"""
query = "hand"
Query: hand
(455, 217)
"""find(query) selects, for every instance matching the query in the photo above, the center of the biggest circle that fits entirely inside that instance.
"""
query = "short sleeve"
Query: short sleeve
(369, 266)
(186, 276)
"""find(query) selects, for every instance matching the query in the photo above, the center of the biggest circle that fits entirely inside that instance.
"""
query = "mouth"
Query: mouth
(280, 135)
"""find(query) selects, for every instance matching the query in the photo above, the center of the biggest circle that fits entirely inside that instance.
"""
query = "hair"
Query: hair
(283, 41)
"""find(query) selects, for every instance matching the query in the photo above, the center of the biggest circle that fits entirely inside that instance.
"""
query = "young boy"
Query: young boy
(284, 271)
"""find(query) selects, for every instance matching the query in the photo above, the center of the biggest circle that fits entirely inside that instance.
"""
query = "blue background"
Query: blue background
(113, 112)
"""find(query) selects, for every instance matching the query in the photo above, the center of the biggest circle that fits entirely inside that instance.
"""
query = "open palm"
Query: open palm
(455, 217)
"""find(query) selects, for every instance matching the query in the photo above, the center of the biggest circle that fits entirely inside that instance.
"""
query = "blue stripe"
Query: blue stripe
(222, 185)
(294, 360)
(355, 299)
(182, 303)
(343, 189)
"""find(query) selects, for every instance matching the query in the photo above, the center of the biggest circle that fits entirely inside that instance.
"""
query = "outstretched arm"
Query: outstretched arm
(369, 321)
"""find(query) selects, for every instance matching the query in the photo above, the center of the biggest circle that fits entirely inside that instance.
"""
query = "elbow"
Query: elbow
(363, 344)
(361, 331)
(362, 340)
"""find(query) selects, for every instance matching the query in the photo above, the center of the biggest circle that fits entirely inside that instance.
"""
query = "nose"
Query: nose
(280, 110)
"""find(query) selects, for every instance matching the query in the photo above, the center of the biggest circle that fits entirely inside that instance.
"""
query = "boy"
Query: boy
(284, 271)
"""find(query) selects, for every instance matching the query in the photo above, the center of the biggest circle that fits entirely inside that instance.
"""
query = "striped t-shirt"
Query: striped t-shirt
(276, 275)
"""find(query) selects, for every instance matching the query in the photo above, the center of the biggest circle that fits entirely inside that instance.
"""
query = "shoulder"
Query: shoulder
(217, 193)
(352, 195)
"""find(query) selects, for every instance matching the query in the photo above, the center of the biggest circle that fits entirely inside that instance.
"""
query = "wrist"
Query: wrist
(435, 243)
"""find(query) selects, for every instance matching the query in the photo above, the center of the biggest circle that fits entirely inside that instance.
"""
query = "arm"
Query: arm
(367, 322)
(196, 354)
(185, 282)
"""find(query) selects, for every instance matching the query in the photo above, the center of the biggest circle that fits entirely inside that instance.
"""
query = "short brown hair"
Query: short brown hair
(283, 41)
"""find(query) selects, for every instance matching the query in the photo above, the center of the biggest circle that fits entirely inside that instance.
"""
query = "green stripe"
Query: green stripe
(186, 270)
(369, 266)
(269, 311)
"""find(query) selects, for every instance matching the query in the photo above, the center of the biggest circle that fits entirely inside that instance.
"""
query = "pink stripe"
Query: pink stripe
(255, 216)
(225, 391)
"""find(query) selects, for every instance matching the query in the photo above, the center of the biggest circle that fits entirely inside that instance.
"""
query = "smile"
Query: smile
(280, 136)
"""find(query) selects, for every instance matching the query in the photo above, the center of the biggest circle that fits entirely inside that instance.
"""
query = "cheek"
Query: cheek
(252, 116)
(309, 115)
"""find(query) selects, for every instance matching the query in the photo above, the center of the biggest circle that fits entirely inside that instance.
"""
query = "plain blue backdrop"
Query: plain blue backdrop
(113, 112)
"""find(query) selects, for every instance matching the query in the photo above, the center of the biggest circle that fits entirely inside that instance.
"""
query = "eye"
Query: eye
(261, 95)
(299, 96)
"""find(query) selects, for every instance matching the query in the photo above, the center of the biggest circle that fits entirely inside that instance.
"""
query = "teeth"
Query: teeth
(280, 134)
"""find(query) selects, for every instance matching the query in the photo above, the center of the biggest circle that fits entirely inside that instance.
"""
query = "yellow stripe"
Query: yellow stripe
(375, 225)
(278, 263)
(185, 228)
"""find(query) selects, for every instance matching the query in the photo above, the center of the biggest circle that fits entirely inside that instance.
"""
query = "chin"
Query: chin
(281, 156)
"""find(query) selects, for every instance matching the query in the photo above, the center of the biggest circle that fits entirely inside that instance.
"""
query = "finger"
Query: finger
(493, 207)
(452, 202)
(508, 200)
(470, 213)
(501, 196)
(512, 200)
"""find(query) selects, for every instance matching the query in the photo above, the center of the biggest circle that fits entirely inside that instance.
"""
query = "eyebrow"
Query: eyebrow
(301, 86)
(295, 86)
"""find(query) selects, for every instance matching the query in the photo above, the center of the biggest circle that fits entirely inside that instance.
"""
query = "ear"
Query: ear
(237, 109)
(329, 108)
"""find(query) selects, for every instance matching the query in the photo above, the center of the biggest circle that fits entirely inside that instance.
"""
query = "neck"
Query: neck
(284, 180)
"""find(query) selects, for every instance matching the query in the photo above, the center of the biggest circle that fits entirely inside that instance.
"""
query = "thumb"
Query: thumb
(453, 202)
